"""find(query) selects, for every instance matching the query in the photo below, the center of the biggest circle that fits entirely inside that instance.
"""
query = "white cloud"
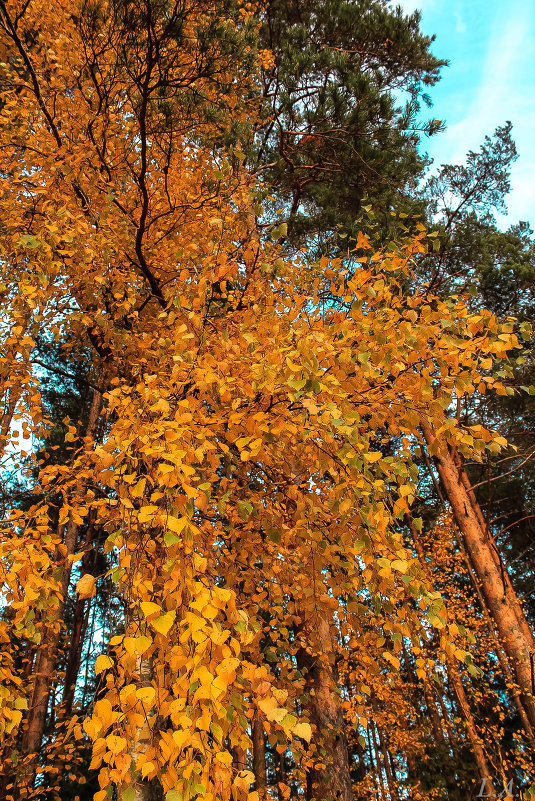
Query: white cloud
(491, 80)
(460, 26)
(505, 92)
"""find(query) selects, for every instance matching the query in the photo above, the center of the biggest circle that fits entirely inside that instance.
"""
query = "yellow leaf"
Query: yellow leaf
(147, 768)
(278, 694)
(104, 712)
(142, 644)
(219, 685)
(243, 780)
(148, 608)
(163, 623)
(138, 490)
(116, 744)
(392, 659)
(373, 456)
(277, 714)
(209, 612)
(103, 662)
(303, 730)
(176, 524)
(195, 622)
(85, 586)
(146, 694)
(146, 513)
(181, 738)
(401, 565)
(224, 757)
(90, 728)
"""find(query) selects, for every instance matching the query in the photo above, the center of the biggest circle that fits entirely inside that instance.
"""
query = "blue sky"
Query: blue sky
(491, 78)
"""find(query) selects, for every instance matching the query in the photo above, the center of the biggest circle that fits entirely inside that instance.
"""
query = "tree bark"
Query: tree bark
(333, 783)
(259, 756)
(390, 780)
(378, 768)
(500, 598)
(144, 789)
(475, 741)
(79, 627)
(502, 658)
(46, 659)
(458, 687)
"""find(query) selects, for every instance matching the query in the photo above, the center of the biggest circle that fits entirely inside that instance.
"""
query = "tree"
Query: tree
(250, 456)
(340, 128)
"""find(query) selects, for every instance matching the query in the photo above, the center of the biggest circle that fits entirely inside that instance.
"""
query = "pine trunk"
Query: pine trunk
(259, 757)
(46, 659)
(79, 628)
(475, 741)
(500, 598)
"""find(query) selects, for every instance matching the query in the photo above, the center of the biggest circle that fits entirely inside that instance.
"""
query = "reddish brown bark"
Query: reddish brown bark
(502, 658)
(259, 756)
(475, 741)
(79, 627)
(501, 600)
(332, 782)
(46, 658)
(458, 687)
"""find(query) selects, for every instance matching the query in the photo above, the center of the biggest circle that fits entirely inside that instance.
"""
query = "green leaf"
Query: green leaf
(129, 794)
(173, 795)
(245, 509)
(29, 241)
(280, 231)
(170, 538)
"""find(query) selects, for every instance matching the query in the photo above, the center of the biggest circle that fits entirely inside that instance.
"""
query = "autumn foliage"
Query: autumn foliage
(240, 485)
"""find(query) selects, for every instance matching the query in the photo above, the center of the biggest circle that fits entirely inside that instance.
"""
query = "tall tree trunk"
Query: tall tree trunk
(333, 783)
(434, 717)
(12, 373)
(494, 581)
(144, 789)
(79, 628)
(475, 741)
(502, 658)
(81, 619)
(445, 717)
(46, 658)
(458, 687)
(378, 768)
(259, 757)
(390, 780)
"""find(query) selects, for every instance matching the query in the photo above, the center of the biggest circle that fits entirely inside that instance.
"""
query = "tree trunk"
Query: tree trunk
(378, 768)
(46, 659)
(499, 595)
(475, 741)
(259, 757)
(458, 687)
(333, 783)
(390, 780)
(144, 789)
(502, 658)
(444, 712)
(79, 628)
